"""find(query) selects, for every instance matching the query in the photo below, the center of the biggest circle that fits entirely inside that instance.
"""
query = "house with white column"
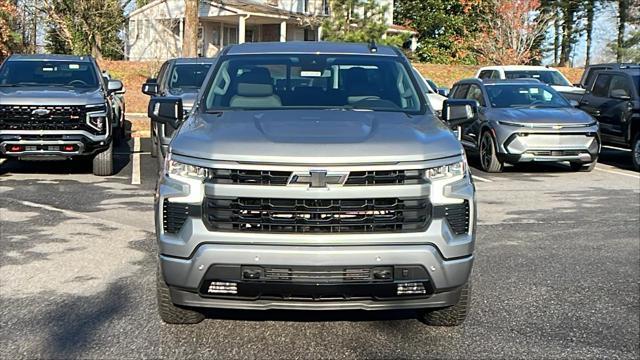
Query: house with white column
(156, 30)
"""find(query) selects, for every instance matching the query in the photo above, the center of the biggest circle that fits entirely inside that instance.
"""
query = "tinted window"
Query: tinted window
(187, 76)
(532, 96)
(619, 86)
(593, 71)
(460, 92)
(601, 86)
(485, 74)
(475, 93)
(49, 73)
(313, 81)
(549, 77)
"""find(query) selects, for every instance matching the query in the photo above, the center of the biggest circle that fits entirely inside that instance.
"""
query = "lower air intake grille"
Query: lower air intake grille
(316, 215)
(457, 216)
(173, 216)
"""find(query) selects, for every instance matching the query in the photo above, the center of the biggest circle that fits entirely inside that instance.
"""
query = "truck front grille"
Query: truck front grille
(22, 117)
(281, 178)
(316, 215)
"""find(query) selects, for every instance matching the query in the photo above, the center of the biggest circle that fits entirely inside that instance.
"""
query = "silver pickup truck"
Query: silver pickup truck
(314, 176)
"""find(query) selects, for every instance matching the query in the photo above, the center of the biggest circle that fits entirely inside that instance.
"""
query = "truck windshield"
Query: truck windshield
(187, 77)
(531, 96)
(279, 82)
(549, 77)
(48, 73)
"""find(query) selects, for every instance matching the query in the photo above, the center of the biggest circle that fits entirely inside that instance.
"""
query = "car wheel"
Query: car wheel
(449, 316)
(488, 154)
(635, 151)
(103, 162)
(154, 145)
(578, 166)
(169, 312)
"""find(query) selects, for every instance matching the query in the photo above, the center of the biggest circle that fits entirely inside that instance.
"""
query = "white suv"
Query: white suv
(547, 75)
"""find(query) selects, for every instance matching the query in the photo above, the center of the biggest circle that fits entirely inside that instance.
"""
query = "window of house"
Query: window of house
(309, 35)
(230, 35)
(325, 7)
(139, 27)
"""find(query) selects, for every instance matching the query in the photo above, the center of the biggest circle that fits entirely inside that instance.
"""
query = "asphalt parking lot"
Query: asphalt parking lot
(557, 274)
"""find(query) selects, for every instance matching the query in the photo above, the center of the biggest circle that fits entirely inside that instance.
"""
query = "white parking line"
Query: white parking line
(618, 173)
(481, 178)
(135, 166)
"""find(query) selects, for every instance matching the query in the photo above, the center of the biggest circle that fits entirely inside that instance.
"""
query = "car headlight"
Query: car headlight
(449, 171)
(177, 169)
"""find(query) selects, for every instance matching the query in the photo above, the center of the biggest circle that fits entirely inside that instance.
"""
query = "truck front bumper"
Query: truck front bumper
(444, 277)
(51, 143)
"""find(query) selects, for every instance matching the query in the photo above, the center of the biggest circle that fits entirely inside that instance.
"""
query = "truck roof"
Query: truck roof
(49, 57)
(310, 47)
(499, 81)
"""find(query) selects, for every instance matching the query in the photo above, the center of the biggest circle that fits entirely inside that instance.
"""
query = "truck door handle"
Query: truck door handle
(585, 102)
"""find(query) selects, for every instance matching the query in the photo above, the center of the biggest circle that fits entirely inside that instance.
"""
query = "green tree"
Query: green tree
(358, 21)
(447, 28)
(86, 27)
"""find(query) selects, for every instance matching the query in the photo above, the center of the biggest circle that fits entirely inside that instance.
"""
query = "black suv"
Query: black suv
(614, 100)
(181, 77)
(57, 107)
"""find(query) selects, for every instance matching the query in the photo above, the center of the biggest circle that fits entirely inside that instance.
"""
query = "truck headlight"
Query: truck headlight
(450, 171)
(177, 169)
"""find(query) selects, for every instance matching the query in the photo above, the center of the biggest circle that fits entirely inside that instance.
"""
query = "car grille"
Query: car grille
(21, 117)
(457, 216)
(323, 274)
(556, 152)
(281, 178)
(174, 216)
(316, 215)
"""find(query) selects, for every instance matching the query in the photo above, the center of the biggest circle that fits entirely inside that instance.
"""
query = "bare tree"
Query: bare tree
(510, 31)
(590, 8)
(623, 8)
(190, 41)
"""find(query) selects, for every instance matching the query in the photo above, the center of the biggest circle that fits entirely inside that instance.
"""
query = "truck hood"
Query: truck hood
(543, 116)
(315, 137)
(50, 96)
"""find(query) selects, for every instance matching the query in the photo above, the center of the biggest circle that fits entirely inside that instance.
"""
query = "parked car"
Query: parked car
(526, 121)
(118, 107)
(314, 176)
(547, 75)
(57, 107)
(590, 71)
(435, 100)
(614, 100)
(180, 77)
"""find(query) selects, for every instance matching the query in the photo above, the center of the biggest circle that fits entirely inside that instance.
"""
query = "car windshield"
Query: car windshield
(187, 77)
(48, 73)
(531, 96)
(279, 82)
(549, 77)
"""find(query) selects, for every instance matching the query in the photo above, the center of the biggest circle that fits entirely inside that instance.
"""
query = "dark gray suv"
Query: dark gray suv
(57, 107)
(526, 121)
(314, 176)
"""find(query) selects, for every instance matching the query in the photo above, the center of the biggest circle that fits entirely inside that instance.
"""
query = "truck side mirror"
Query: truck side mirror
(166, 110)
(456, 112)
(114, 86)
(443, 91)
(150, 87)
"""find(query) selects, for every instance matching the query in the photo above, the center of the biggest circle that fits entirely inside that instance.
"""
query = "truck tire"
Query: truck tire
(588, 167)
(488, 154)
(635, 152)
(449, 316)
(169, 312)
(103, 162)
(154, 145)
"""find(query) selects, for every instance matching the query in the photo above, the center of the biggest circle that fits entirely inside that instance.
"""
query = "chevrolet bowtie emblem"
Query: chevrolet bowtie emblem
(40, 112)
(318, 178)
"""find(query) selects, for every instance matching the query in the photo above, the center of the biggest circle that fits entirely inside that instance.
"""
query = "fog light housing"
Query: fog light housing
(15, 148)
(412, 288)
(221, 287)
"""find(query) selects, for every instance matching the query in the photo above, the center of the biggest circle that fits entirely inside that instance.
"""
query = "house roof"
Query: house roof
(240, 6)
